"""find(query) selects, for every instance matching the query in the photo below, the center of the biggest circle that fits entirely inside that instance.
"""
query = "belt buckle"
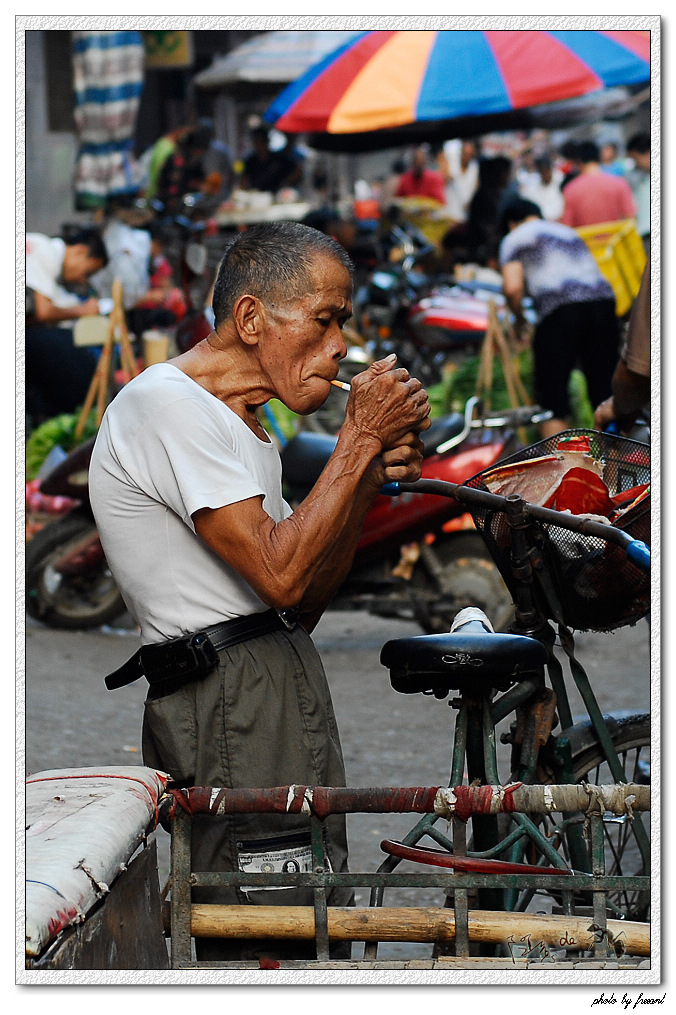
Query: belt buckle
(203, 652)
(289, 617)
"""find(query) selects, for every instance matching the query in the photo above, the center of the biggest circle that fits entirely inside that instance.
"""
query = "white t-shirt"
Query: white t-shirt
(461, 188)
(129, 252)
(165, 449)
(44, 264)
(547, 196)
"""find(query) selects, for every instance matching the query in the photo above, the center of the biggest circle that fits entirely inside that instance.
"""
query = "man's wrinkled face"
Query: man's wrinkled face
(304, 342)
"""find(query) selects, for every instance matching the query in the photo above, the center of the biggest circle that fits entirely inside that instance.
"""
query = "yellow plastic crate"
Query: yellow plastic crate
(618, 250)
(427, 215)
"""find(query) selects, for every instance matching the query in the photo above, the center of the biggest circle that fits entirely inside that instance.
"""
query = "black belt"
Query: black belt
(171, 664)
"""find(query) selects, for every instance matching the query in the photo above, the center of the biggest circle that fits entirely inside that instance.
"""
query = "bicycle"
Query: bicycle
(557, 568)
(528, 839)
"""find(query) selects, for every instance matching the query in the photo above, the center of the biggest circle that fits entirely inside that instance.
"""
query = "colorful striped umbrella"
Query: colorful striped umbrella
(388, 81)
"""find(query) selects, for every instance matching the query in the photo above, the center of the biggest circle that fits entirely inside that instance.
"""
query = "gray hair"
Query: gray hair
(271, 261)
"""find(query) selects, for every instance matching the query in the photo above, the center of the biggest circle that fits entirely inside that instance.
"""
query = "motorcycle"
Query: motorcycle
(429, 322)
(420, 557)
(68, 582)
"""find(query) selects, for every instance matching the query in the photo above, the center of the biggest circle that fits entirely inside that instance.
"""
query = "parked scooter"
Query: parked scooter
(429, 322)
(421, 557)
(68, 582)
(418, 557)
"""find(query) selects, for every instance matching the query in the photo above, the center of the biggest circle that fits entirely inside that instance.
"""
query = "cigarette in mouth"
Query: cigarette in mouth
(341, 384)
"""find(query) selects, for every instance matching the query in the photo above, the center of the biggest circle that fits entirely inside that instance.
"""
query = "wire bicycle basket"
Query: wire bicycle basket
(586, 472)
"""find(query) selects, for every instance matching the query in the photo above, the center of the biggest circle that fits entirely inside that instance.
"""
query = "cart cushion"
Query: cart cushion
(83, 825)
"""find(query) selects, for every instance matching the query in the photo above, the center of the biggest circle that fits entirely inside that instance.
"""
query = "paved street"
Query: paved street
(389, 739)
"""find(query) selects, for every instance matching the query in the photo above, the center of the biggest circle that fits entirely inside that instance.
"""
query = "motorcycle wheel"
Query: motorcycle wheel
(76, 602)
(453, 572)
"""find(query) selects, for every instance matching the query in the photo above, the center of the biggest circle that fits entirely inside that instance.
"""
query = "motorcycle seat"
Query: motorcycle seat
(306, 454)
(460, 660)
(304, 457)
(441, 430)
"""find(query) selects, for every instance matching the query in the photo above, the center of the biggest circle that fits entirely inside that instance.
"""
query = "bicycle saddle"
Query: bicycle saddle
(470, 656)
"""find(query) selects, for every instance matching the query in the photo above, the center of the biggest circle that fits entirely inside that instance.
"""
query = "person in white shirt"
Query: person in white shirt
(544, 189)
(54, 264)
(58, 374)
(186, 489)
(459, 166)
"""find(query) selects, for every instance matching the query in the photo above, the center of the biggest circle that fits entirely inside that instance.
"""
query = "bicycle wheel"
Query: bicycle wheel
(631, 739)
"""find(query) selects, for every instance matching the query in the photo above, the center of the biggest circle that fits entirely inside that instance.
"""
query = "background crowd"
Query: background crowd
(476, 194)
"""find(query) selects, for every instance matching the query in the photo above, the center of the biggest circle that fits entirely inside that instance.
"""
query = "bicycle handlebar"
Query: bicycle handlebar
(636, 550)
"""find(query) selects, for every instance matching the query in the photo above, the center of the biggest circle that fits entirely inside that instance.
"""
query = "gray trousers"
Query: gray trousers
(262, 718)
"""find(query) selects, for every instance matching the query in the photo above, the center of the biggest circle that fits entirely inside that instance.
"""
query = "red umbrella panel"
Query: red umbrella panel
(385, 80)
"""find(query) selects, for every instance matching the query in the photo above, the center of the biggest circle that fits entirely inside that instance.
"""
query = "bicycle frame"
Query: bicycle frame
(475, 739)
(531, 579)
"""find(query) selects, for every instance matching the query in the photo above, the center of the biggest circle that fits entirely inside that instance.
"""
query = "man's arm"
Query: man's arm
(513, 286)
(401, 464)
(287, 563)
(631, 380)
(47, 312)
(630, 393)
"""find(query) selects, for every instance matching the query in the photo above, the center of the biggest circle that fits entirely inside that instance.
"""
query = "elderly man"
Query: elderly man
(186, 489)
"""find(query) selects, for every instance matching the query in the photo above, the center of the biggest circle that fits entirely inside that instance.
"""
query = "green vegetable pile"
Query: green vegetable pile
(59, 431)
(461, 385)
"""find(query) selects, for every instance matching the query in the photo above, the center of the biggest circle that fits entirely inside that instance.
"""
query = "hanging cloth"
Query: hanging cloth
(108, 72)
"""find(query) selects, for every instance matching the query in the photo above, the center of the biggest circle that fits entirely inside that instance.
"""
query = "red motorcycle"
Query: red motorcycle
(430, 322)
(418, 557)
(68, 582)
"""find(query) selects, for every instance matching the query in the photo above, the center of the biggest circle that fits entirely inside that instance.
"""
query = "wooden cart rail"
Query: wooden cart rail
(596, 934)
(406, 923)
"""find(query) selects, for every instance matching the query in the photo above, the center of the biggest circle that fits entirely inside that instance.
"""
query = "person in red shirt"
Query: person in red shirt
(419, 181)
(595, 196)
